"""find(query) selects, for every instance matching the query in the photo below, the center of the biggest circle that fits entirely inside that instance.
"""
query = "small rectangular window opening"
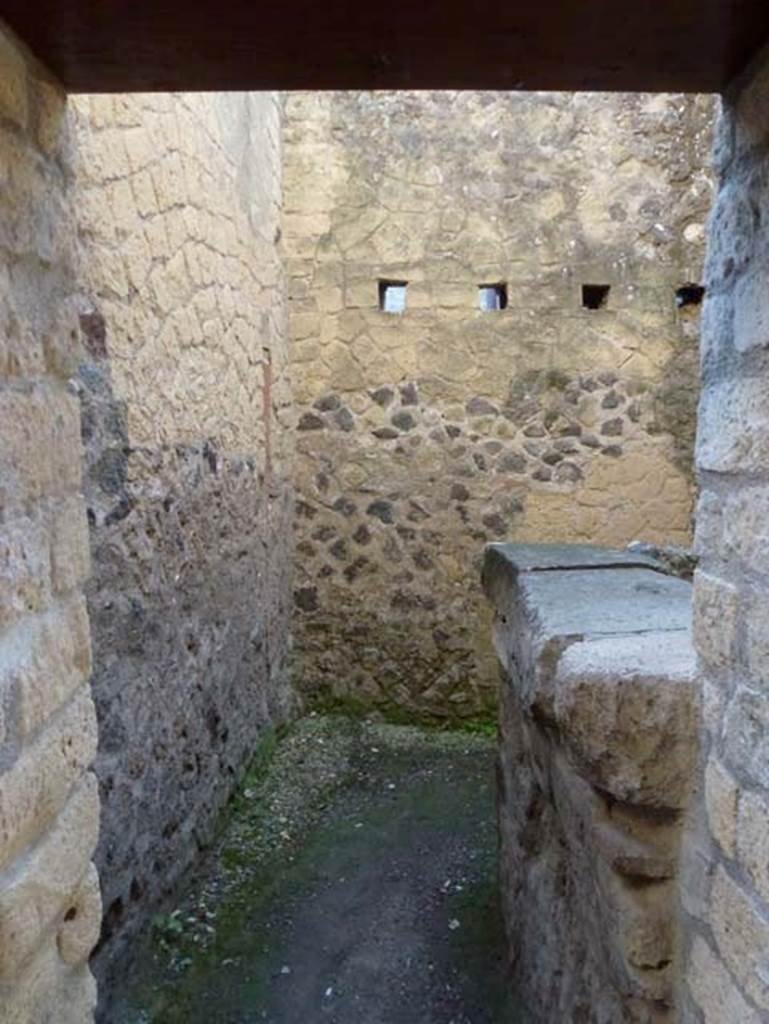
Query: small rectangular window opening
(392, 296)
(689, 295)
(595, 296)
(492, 297)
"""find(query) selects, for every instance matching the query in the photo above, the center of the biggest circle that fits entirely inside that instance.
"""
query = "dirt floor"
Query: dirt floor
(353, 883)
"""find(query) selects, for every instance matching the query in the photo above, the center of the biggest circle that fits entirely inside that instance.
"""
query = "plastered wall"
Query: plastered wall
(50, 908)
(422, 436)
(726, 895)
(184, 400)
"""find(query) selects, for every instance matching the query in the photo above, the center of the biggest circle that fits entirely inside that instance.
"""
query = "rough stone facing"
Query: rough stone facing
(184, 398)
(727, 891)
(50, 906)
(426, 434)
(599, 725)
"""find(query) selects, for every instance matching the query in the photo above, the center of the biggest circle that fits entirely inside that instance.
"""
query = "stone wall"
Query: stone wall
(726, 895)
(49, 811)
(599, 735)
(425, 434)
(187, 472)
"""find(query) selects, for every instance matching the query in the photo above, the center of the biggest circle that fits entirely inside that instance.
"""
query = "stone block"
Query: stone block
(721, 796)
(731, 237)
(48, 888)
(746, 735)
(753, 841)
(25, 568)
(47, 992)
(70, 556)
(733, 426)
(79, 930)
(34, 789)
(627, 710)
(714, 990)
(716, 605)
(741, 929)
(751, 309)
(756, 653)
(14, 75)
(746, 511)
(25, 459)
(43, 660)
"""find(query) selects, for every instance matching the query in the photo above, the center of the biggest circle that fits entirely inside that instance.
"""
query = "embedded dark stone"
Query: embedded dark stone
(422, 560)
(362, 535)
(94, 330)
(119, 511)
(567, 445)
(409, 394)
(381, 510)
(383, 396)
(611, 400)
(534, 448)
(612, 428)
(613, 451)
(590, 441)
(407, 600)
(111, 470)
(353, 571)
(323, 533)
(327, 403)
(339, 550)
(453, 431)
(344, 419)
(438, 435)
(493, 521)
(534, 430)
(406, 532)
(325, 571)
(493, 447)
(403, 421)
(608, 378)
(571, 430)
(542, 473)
(309, 421)
(211, 456)
(634, 412)
(479, 406)
(588, 384)
(304, 547)
(306, 599)
(417, 513)
(479, 460)
(568, 472)
(305, 511)
(551, 457)
(512, 462)
(321, 482)
(385, 433)
(459, 492)
(345, 506)
(551, 418)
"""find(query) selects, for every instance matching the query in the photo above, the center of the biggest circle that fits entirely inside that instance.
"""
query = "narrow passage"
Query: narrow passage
(354, 883)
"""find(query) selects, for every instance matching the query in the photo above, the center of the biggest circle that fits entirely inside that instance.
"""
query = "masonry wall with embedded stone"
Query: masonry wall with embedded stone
(424, 434)
(726, 893)
(50, 908)
(184, 398)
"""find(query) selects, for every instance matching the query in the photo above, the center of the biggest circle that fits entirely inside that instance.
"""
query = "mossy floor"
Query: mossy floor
(354, 883)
